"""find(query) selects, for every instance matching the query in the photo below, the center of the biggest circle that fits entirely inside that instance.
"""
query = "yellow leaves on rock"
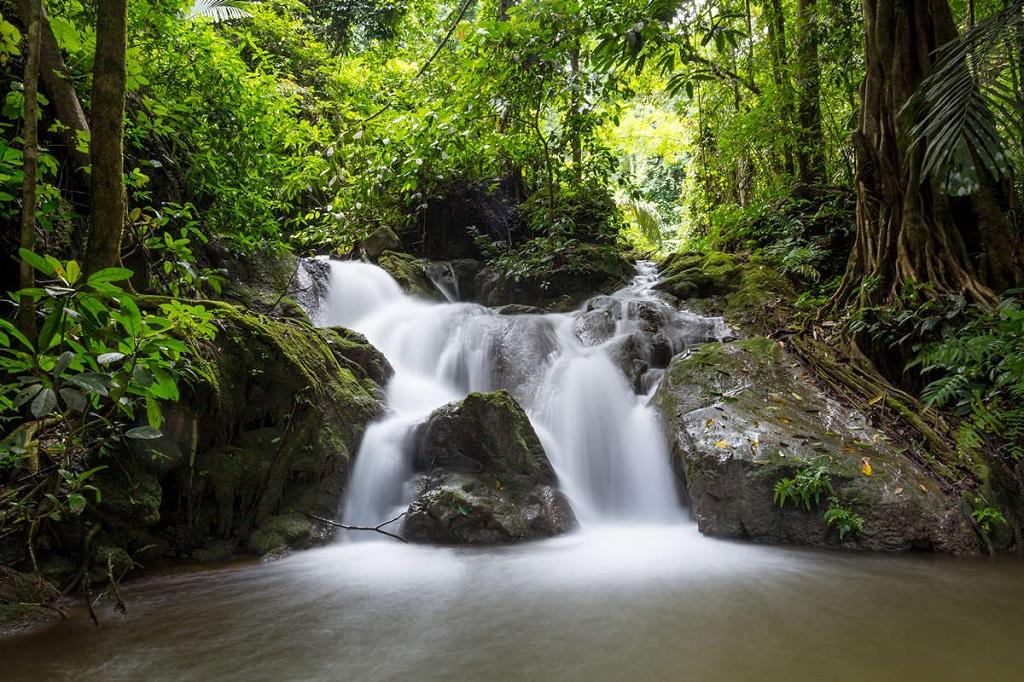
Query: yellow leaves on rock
(865, 466)
(722, 444)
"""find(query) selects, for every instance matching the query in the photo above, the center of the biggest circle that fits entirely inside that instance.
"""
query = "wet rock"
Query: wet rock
(354, 352)
(518, 309)
(743, 415)
(466, 271)
(486, 478)
(25, 600)
(751, 295)
(410, 273)
(595, 327)
(563, 285)
(380, 240)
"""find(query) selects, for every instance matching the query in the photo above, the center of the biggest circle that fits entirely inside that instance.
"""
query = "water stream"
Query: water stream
(637, 594)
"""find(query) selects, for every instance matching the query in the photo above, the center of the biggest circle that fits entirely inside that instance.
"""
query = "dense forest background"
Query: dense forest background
(871, 153)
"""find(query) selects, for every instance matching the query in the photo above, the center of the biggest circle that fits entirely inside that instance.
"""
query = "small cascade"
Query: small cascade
(443, 276)
(583, 378)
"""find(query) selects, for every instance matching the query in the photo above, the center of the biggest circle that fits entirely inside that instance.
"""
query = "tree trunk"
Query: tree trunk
(809, 157)
(777, 44)
(908, 230)
(107, 153)
(30, 158)
(53, 73)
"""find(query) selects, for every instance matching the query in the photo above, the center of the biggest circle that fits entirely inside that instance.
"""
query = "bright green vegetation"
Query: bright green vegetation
(163, 160)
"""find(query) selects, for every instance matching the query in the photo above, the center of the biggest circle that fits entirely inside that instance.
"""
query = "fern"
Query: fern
(979, 373)
(219, 10)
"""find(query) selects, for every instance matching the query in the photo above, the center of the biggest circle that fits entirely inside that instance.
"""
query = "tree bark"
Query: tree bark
(777, 44)
(30, 166)
(107, 148)
(54, 74)
(908, 230)
(809, 157)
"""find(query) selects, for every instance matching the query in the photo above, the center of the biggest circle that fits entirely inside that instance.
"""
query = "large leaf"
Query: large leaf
(218, 10)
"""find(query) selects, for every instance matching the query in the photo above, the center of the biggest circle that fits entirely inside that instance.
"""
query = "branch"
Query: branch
(375, 529)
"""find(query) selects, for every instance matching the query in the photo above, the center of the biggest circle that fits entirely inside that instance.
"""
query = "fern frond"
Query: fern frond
(219, 10)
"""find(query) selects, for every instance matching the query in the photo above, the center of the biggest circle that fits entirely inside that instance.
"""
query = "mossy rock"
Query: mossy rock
(379, 241)
(743, 415)
(486, 478)
(565, 283)
(411, 274)
(25, 600)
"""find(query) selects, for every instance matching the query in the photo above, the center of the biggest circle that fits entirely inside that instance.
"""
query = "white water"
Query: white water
(603, 440)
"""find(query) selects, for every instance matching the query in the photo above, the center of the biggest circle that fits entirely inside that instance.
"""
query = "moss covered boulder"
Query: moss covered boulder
(260, 443)
(562, 283)
(25, 600)
(744, 415)
(485, 478)
(750, 294)
(411, 274)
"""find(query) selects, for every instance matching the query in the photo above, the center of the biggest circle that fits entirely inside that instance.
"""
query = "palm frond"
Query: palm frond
(966, 110)
(219, 10)
(644, 214)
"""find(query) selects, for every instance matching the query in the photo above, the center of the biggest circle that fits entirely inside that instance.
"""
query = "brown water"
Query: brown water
(627, 603)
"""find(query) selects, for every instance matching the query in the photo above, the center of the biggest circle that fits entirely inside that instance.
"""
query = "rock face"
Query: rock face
(751, 295)
(380, 240)
(588, 269)
(410, 273)
(485, 477)
(264, 440)
(744, 415)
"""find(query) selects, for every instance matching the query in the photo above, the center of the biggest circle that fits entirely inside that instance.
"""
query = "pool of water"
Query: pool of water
(614, 603)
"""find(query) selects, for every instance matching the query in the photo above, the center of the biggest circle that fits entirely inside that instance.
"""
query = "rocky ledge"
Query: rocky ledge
(762, 454)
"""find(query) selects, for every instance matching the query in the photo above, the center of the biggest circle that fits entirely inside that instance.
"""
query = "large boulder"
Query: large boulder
(485, 478)
(255, 448)
(744, 415)
(751, 295)
(562, 284)
(377, 242)
(411, 274)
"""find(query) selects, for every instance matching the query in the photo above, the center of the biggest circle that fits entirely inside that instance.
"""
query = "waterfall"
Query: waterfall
(578, 376)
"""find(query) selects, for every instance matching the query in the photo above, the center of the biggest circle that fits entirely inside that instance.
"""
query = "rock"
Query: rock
(563, 285)
(354, 352)
(751, 295)
(518, 309)
(457, 509)
(466, 271)
(595, 327)
(744, 415)
(25, 600)
(380, 240)
(486, 478)
(485, 433)
(410, 273)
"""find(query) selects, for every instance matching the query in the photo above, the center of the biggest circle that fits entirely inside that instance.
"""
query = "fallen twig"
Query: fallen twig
(376, 529)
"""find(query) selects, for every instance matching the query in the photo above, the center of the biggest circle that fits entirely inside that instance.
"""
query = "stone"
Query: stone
(743, 415)
(377, 242)
(484, 477)
(410, 273)
(25, 600)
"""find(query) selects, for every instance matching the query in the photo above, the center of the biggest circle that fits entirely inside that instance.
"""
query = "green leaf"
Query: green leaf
(75, 400)
(36, 261)
(76, 503)
(44, 403)
(144, 433)
(109, 275)
(91, 382)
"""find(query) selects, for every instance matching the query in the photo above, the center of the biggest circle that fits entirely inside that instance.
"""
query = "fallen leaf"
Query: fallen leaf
(899, 491)
(877, 399)
(722, 444)
(921, 486)
(865, 466)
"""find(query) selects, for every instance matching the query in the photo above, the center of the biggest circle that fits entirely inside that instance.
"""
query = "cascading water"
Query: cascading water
(581, 377)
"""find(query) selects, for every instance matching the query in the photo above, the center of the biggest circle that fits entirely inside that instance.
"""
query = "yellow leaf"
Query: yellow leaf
(877, 399)
(865, 466)
(899, 491)
(722, 444)
(921, 486)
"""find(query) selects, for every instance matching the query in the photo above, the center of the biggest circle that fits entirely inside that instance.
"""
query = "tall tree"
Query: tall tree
(908, 228)
(809, 157)
(30, 157)
(107, 146)
(776, 20)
